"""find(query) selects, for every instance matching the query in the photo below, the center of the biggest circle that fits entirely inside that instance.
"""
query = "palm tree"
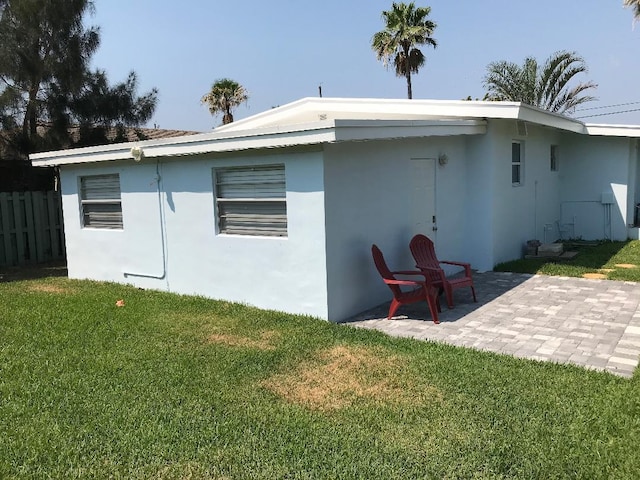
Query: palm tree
(225, 95)
(544, 86)
(405, 27)
(635, 4)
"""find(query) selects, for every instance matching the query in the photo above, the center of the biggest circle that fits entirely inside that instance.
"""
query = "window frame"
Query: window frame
(519, 164)
(268, 195)
(553, 158)
(94, 211)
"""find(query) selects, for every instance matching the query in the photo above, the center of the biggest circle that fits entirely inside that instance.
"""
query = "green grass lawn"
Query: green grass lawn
(181, 387)
(613, 260)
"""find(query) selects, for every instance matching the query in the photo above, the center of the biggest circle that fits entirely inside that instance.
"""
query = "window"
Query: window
(100, 201)
(553, 158)
(516, 163)
(251, 200)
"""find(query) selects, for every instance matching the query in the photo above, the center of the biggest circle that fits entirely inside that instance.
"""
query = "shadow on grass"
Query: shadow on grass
(29, 272)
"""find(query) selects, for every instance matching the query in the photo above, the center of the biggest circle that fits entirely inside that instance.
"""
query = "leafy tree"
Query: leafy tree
(406, 27)
(224, 96)
(545, 86)
(99, 107)
(45, 51)
(635, 5)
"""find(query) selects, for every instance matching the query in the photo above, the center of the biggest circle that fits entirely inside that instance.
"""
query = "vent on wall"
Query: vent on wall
(521, 128)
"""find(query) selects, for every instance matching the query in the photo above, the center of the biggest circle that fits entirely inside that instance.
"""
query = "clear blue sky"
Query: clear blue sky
(281, 50)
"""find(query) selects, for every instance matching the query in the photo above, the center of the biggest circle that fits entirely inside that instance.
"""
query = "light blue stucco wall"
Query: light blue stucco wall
(341, 198)
(367, 195)
(590, 167)
(172, 244)
(530, 210)
(502, 217)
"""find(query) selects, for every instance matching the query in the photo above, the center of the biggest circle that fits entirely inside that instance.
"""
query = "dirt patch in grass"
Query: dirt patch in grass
(343, 375)
(48, 288)
(595, 276)
(266, 341)
(625, 265)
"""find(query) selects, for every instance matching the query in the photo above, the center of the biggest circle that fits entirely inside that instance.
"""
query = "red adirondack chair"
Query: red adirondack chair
(424, 254)
(421, 290)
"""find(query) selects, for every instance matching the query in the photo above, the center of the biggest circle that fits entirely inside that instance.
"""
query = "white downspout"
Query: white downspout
(162, 275)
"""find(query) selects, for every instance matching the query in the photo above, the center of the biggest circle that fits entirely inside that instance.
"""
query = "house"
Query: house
(279, 210)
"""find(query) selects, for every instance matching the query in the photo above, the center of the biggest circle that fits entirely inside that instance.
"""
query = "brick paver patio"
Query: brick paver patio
(591, 323)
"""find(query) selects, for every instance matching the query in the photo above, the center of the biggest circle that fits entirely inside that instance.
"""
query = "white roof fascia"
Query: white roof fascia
(538, 116)
(309, 134)
(631, 131)
(321, 132)
(354, 130)
(323, 120)
(315, 108)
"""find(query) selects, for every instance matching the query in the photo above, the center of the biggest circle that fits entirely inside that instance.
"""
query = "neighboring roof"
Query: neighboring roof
(110, 135)
(313, 121)
(135, 134)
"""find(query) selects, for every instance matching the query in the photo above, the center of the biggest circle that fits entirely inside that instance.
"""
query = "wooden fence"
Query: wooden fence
(31, 229)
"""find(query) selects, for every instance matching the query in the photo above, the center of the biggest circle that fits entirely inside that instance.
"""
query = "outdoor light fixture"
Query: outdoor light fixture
(443, 159)
(137, 153)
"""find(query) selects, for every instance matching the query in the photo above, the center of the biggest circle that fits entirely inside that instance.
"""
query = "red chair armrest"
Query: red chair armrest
(437, 271)
(408, 272)
(466, 266)
(412, 283)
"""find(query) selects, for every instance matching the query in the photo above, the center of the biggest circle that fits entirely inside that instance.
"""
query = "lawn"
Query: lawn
(612, 260)
(171, 386)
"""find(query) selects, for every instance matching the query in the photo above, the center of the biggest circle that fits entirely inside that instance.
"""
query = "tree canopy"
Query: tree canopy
(45, 79)
(224, 96)
(546, 86)
(406, 27)
(635, 5)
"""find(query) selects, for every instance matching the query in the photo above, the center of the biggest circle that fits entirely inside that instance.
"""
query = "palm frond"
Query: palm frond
(635, 5)
(545, 87)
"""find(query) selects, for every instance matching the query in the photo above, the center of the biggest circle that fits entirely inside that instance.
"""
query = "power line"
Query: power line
(610, 113)
(608, 106)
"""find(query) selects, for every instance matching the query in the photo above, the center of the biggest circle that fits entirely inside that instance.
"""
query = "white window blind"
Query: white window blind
(100, 201)
(252, 200)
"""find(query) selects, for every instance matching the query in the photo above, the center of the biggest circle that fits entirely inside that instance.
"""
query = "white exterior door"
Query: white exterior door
(423, 197)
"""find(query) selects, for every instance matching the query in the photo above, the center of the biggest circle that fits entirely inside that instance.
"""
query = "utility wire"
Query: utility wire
(610, 113)
(608, 106)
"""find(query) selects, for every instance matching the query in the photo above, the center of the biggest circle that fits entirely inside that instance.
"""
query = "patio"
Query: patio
(591, 323)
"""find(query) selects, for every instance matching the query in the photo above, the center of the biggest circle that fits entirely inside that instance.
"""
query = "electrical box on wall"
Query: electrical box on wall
(607, 198)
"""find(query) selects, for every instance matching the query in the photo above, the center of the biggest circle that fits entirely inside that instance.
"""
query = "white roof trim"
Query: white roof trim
(190, 145)
(312, 121)
(314, 109)
(632, 131)
(328, 131)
